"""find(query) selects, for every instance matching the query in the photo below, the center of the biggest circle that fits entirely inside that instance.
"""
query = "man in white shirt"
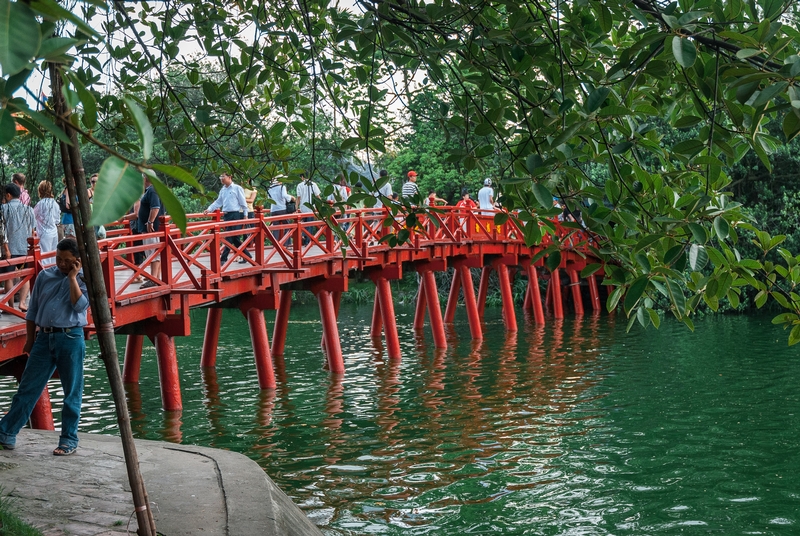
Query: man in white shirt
(486, 198)
(234, 207)
(306, 191)
(385, 190)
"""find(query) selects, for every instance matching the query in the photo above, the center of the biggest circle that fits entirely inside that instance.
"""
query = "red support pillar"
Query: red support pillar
(473, 316)
(208, 357)
(419, 312)
(260, 339)
(42, 414)
(434, 310)
(483, 289)
(383, 296)
(330, 331)
(577, 299)
(535, 294)
(281, 323)
(133, 359)
(554, 288)
(452, 299)
(377, 319)
(509, 315)
(594, 293)
(168, 372)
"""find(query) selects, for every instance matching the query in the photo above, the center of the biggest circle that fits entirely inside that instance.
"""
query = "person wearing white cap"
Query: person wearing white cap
(486, 198)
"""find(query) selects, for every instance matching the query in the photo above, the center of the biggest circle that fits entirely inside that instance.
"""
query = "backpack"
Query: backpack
(62, 202)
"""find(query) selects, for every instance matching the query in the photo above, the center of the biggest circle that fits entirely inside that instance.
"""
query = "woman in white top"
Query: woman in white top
(47, 216)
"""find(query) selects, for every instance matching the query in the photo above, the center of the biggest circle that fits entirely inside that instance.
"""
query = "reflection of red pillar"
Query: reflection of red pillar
(42, 414)
(384, 295)
(554, 288)
(509, 316)
(419, 311)
(260, 339)
(594, 293)
(452, 299)
(377, 323)
(133, 359)
(281, 323)
(330, 331)
(535, 294)
(483, 289)
(434, 311)
(208, 357)
(577, 299)
(168, 372)
(473, 316)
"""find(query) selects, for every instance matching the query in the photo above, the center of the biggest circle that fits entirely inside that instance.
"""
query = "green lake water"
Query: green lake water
(573, 428)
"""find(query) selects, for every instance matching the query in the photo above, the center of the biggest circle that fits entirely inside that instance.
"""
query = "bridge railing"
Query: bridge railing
(194, 260)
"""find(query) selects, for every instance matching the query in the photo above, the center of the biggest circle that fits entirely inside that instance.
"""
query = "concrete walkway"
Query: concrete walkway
(192, 490)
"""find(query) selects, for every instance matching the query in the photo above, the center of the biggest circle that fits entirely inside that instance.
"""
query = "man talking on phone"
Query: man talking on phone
(54, 323)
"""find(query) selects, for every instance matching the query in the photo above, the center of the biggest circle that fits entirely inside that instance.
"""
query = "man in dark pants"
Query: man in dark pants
(234, 207)
(54, 325)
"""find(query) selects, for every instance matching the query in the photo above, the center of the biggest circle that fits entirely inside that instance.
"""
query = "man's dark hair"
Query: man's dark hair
(18, 178)
(383, 173)
(69, 244)
(13, 189)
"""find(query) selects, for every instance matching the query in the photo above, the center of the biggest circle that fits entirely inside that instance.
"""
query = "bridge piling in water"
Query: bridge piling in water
(452, 298)
(575, 285)
(133, 358)
(261, 353)
(168, 375)
(42, 414)
(384, 310)
(501, 267)
(330, 331)
(594, 293)
(473, 315)
(483, 289)
(534, 294)
(281, 322)
(208, 356)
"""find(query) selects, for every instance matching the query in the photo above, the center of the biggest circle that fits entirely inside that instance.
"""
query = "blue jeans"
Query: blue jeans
(51, 351)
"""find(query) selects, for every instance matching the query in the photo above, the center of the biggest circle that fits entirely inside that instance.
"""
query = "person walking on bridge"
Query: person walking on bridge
(486, 198)
(232, 201)
(54, 341)
(149, 221)
(18, 224)
(410, 189)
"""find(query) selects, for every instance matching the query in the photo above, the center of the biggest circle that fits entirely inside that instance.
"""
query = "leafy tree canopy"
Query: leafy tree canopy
(554, 98)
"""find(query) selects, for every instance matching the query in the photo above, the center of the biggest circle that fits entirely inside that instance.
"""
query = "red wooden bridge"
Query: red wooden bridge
(283, 253)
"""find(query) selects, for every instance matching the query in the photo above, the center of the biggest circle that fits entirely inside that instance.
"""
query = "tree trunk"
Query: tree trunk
(75, 180)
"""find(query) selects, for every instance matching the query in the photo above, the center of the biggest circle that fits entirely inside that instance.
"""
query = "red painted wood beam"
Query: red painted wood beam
(473, 316)
(434, 310)
(419, 311)
(377, 320)
(260, 340)
(42, 414)
(554, 288)
(168, 375)
(483, 289)
(281, 323)
(452, 299)
(330, 330)
(208, 356)
(594, 293)
(133, 359)
(535, 294)
(509, 314)
(384, 290)
(575, 284)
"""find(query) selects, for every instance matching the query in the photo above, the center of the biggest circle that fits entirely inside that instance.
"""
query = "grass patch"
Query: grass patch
(10, 524)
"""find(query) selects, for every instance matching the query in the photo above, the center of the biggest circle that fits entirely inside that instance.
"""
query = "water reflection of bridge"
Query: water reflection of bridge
(283, 254)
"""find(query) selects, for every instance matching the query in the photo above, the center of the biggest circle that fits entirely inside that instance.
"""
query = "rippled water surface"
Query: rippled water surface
(574, 428)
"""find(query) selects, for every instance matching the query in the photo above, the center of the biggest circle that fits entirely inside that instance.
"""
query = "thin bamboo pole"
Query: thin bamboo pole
(75, 180)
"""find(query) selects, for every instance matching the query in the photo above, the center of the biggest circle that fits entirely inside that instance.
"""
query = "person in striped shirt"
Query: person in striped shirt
(410, 188)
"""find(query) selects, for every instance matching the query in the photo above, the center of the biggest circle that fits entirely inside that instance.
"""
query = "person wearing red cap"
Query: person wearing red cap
(410, 188)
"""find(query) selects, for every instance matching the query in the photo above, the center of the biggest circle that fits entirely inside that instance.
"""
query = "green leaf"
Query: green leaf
(177, 172)
(171, 203)
(613, 299)
(13, 83)
(543, 195)
(699, 233)
(677, 298)
(118, 187)
(52, 10)
(20, 36)
(721, 227)
(589, 270)
(45, 121)
(8, 127)
(143, 128)
(684, 51)
(747, 53)
(794, 335)
(87, 100)
(553, 261)
(596, 99)
(698, 258)
(791, 125)
(635, 292)
(654, 318)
